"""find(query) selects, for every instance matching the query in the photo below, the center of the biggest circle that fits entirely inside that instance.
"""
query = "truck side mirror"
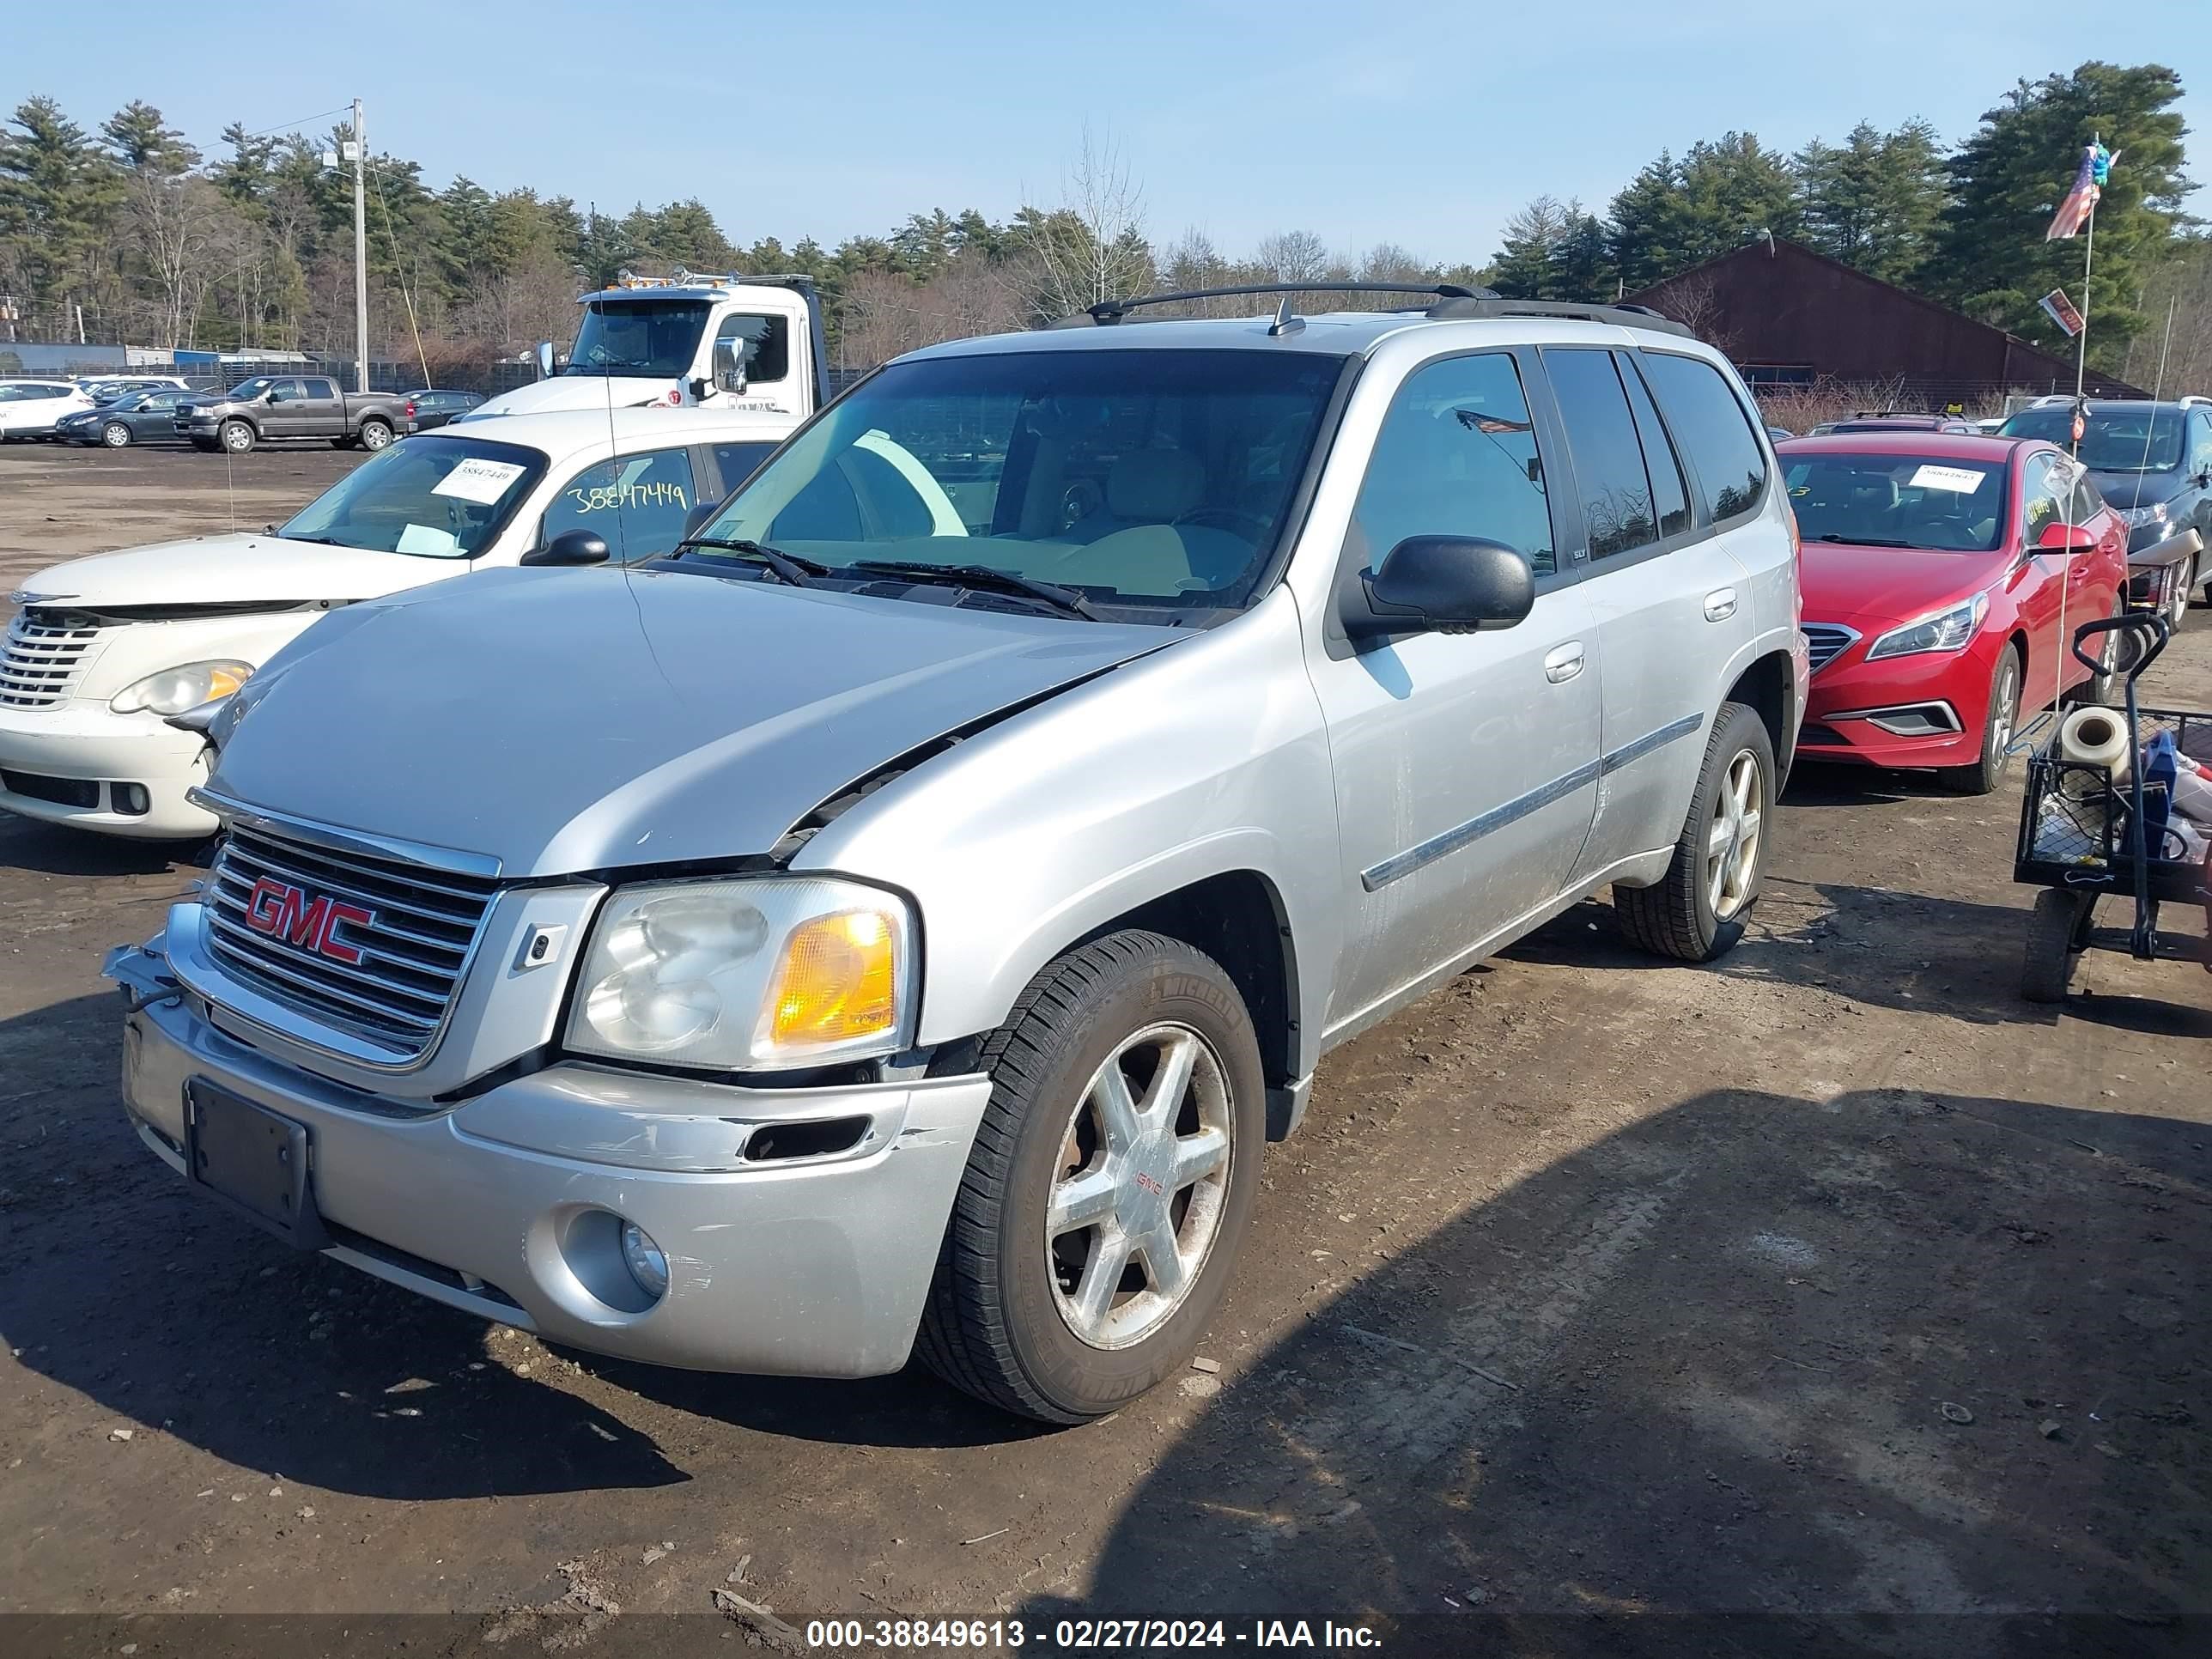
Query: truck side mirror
(730, 365)
(544, 355)
(699, 517)
(570, 547)
(1444, 585)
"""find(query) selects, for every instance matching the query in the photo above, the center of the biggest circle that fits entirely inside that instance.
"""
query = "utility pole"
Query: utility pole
(360, 256)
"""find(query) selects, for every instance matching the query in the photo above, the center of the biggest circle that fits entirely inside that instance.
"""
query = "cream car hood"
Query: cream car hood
(230, 571)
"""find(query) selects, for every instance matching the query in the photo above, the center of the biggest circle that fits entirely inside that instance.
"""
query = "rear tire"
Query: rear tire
(375, 435)
(1998, 722)
(1696, 911)
(2055, 934)
(1067, 1323)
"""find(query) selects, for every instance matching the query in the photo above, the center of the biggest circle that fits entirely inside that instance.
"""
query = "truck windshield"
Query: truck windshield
(655, 339)
(1156, 479)
(438, 497)
(246, 390)
(2123, 440)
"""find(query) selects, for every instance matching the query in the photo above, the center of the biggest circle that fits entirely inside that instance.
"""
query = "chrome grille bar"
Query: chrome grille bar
(1826, 642)
(39, 660)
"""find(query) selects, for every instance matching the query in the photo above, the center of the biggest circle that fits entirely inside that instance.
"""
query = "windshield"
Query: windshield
(2113, 440)
(1147, 478)
(246, 390)
(657, 338)
(440, 496)
(1941, 505)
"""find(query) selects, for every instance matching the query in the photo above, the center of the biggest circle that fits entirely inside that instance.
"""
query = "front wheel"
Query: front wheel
(1111, 1184)
(236, 436)
(115, 436)
(2057, 934)
(1997, 724)
(1696, 911)
(374, 435)
(2184, 592)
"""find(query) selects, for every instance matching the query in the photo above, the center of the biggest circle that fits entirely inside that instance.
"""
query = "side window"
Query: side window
(1457, 456)
(1709, 422)
(635, 504)
(764, 344)
(323, 389)
(2040, 502)
(2087, 503)
(1609, 475)
(739, 462)
(1669, 497)
(2200, 442)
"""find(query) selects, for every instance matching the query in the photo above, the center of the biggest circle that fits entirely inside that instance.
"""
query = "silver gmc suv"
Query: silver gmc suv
(896, 923)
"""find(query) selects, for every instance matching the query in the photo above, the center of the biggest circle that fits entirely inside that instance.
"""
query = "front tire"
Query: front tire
(115, 436)
(2056, 935)
(2184, 593)
(1696, 911)
(1111, 1184)
(1998, 723)
(375, 435)
(236, 436)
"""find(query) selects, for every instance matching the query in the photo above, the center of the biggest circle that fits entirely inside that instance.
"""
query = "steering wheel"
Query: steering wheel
(1252, 526)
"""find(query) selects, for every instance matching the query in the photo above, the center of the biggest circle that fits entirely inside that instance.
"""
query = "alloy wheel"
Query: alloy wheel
(1144, 1174)
(1733, 836)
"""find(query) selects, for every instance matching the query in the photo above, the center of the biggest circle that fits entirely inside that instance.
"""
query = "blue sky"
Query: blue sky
(1424, 124)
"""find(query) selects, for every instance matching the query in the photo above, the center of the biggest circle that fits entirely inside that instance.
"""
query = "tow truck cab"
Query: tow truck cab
(735, 343)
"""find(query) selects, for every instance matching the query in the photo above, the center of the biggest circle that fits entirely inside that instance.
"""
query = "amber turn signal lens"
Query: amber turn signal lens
(839, 980)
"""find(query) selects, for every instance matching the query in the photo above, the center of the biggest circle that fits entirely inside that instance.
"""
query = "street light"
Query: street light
(355, 150)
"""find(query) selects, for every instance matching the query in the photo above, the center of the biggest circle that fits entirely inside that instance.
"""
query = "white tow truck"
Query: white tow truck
(730, 343)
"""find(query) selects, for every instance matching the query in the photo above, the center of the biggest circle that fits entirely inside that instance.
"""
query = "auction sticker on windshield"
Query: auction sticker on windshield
(1960, 480)
(478, 480)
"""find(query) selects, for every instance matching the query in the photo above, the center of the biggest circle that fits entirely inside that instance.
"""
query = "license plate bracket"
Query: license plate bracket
(253, 1160)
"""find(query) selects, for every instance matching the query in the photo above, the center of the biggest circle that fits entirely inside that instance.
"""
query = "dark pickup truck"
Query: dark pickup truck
(268, 407)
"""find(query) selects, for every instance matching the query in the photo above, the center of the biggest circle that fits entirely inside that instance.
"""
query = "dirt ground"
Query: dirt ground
(1828, 1299)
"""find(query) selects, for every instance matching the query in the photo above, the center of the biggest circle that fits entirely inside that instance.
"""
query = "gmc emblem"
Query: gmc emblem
(285, 912)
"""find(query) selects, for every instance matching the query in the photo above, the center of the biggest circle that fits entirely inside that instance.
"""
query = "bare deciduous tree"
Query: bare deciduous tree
(1093, 246)
(172, 225)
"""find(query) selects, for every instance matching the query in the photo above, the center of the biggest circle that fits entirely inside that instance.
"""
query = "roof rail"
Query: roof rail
(2195, 398)
(1108, 312)
(1456, 307)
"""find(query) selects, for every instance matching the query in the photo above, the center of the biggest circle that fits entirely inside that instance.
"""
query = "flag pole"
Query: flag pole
(2079, 424)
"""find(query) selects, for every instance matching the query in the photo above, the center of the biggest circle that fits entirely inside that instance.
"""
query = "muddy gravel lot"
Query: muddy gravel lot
(1828, 1299)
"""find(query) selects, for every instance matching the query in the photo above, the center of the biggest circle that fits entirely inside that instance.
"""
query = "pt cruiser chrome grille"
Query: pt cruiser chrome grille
(40, 662)
(373, 946)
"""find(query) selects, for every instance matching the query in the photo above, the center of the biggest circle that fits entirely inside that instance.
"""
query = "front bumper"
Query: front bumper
(1891, 713)
(88, 744)
(813, 1267)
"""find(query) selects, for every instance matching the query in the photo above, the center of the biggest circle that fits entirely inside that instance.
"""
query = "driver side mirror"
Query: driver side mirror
(1444, 585)
(698, 518)
(274, 395)
(2058, 536)
(544, 356)
(570, 547)
(730, 365)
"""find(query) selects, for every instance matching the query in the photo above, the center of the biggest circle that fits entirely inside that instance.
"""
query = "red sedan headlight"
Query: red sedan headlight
(1951, 628)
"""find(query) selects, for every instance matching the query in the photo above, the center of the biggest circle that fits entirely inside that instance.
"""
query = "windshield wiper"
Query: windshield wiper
(788, 566)
(320, 541)
(1874, 541)
(981, 577)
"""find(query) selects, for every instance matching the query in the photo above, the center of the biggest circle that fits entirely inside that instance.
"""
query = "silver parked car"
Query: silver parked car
(895, 922)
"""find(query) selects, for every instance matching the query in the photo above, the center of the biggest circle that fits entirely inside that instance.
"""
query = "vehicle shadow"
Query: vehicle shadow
(1831, 783)
(50, 849)
(1840, 938)
(189, 1319)
(1891, 1373)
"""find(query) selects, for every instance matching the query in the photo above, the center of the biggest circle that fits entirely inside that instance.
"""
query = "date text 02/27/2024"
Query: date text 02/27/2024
(1084, 1634)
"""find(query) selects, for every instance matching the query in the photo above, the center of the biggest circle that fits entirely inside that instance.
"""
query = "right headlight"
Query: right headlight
(746, 973)
(1949, 629)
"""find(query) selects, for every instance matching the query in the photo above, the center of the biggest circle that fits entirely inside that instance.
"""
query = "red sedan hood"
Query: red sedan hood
(1889, 584)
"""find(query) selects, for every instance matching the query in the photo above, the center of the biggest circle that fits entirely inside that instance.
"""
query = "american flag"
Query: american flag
(2080, 201)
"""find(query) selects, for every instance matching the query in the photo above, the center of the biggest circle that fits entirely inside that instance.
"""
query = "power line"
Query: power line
(297, 122)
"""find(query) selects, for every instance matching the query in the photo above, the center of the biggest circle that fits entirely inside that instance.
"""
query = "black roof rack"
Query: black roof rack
(1625, 316)
(1107, 311)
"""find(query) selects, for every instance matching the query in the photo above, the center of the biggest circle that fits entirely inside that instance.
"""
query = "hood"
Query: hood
(2123, 491)
(564, 720)
(573, 392)
(1889, 584)
(230, 570)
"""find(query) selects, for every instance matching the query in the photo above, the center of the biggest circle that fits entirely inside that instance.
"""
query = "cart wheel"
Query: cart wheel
(2061, 919)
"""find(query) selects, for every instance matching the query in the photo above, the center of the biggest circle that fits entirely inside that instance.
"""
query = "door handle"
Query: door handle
(1720, 604)
(1564, 662)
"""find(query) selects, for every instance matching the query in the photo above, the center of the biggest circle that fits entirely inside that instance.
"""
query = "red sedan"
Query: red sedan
(1937, 567)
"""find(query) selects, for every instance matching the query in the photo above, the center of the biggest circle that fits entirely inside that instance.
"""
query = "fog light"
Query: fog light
(644, 1258)
(131, 798)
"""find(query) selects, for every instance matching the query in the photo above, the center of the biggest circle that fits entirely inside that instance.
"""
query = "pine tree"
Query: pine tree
(1874, 202)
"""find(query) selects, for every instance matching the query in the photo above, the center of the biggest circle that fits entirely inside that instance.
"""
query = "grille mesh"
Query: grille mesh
(40, 662)
(424, 924)
(1825, 643)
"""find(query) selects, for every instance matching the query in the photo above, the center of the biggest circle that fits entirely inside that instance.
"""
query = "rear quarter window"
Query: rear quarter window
(1714, 430)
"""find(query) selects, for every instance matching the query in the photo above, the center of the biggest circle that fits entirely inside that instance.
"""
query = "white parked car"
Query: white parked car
(29, 409)
(107, 647)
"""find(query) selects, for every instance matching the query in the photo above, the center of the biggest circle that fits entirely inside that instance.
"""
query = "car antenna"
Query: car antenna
(1287, 320)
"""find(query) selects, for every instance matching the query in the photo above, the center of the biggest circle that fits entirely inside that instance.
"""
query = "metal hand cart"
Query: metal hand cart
(2085, 832)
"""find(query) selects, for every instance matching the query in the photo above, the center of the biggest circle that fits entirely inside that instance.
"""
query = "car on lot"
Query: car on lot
(1943, 576)
(105, 647)
(281, 407)
(30, 409)
(435, 406)
(895, 924)
(1893, 422)
(135, 417)
(107, 388)
(2152, 461)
